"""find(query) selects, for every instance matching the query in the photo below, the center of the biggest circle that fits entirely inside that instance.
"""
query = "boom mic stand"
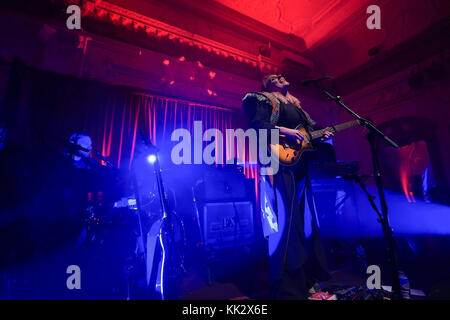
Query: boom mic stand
(383, 218)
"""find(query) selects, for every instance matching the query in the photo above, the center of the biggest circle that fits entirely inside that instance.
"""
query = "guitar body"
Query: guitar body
(290, 152)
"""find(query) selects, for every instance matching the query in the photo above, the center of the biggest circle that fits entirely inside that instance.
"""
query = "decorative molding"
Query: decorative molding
(159, 30)
(216, 11)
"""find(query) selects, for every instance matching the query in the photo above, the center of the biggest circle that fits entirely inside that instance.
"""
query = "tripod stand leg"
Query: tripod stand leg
(384, 220)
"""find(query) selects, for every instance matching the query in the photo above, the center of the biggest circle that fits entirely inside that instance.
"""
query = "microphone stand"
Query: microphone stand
(374, 132)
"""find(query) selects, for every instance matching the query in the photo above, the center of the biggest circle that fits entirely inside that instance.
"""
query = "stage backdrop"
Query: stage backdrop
(49, 107)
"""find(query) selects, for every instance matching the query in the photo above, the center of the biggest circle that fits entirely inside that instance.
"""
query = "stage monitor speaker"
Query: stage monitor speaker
(228, 224)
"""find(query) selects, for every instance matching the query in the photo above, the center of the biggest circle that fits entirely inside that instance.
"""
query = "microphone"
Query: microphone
(307, 82)
(99, 155)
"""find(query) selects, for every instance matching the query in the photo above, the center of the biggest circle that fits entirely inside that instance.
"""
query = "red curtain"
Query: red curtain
(157, 116)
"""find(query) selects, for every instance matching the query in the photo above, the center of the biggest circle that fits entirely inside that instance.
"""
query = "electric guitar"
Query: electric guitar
(289, 152)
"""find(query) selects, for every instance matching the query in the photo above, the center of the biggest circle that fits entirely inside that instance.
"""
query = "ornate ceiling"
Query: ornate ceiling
(307, 19)
(300, 38)
(334, 31)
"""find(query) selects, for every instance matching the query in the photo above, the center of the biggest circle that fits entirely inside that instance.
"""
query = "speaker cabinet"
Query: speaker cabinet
(228, 224)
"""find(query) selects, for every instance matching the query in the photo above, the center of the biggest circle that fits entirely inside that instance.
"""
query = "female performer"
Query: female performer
(290, 223)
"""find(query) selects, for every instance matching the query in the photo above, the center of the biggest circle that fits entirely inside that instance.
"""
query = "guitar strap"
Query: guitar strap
(275, 107)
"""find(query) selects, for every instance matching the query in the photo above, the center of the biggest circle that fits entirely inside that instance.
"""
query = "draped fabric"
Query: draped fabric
(158, 117)
(56, 106)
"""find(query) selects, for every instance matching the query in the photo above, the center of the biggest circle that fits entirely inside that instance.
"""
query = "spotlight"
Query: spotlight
(151, 158)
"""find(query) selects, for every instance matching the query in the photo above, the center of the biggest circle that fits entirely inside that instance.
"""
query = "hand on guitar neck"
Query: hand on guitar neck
(326, 135)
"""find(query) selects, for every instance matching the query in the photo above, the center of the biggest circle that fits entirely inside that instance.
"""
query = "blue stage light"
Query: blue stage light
(151, 158)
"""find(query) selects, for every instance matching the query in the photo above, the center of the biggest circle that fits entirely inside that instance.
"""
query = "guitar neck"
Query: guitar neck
(319, 133)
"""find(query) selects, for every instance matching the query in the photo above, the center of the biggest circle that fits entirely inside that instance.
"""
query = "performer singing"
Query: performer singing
(290, 223)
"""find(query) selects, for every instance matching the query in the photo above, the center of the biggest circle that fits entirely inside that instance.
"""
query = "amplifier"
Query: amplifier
(228, 224)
